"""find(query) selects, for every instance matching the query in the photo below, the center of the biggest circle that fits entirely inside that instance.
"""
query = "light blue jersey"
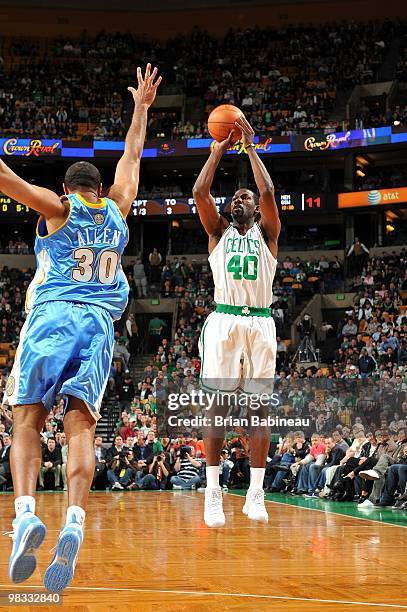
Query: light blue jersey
(81, 261)
(79, 288)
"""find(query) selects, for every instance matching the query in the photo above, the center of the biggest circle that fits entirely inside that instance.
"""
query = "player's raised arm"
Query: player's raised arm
(214, 224)
(270, 221)
(126, 179)
(44, 201)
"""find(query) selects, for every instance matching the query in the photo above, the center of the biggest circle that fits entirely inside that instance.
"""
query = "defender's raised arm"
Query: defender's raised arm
(270, 221)
(126, 179)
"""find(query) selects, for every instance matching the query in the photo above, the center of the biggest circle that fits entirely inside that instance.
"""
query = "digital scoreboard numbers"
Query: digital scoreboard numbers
(287, 203)
(300, 202)
(141, 208)
(174, 206)
(10, 207)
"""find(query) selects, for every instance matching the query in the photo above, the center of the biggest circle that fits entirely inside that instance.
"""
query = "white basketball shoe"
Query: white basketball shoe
(214, 515)
(254, 506)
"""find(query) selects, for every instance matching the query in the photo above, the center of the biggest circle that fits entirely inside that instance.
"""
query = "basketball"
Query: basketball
(221, 122)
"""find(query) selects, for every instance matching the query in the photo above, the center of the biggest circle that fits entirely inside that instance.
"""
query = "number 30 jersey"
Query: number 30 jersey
(81, 261)
(243, 269)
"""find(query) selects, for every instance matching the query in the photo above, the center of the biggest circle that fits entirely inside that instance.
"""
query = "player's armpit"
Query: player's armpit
(212, 221)
(42, 200)
(269, 217)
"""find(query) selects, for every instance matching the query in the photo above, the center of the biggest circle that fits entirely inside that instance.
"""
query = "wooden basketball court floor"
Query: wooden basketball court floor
(151, 551)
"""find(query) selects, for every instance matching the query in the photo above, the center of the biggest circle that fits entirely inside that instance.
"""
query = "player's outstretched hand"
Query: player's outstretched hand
(225, 144)
(246, 129)
(147, 89)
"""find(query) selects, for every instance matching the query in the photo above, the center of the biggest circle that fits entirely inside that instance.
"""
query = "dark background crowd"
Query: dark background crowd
(292, 80)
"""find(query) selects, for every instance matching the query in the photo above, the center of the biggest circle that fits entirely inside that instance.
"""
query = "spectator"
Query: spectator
(62, 443)
(159, 469)
(359, 252)
(317, 470)
(317, 453)
(121, 470)
(120, 351)
(5, 472)
(140, 279)
(154, 260)
(350, 328)
(156, 327)
(396, 478)
(132, 334)
(225, 468)
(367, 365)
(51, 463)
(100, 463)
(126, 392)
(187, 470)
(143, 451)
(116, 448)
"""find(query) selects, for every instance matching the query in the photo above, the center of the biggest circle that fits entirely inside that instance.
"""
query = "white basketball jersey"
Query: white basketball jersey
(243, 269)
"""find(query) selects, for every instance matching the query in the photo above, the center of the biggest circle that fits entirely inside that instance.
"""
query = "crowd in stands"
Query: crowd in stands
(401, 66)
(17, 246)
(284, 80)
(394, 176)
(354, 447)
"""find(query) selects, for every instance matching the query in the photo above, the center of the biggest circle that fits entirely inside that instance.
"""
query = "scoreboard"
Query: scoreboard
(287, 203)
(300, 202)
(9, 208)
(174, 206)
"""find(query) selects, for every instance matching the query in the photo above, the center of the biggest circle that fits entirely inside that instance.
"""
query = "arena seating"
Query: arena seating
(294, 90)
(377, 325)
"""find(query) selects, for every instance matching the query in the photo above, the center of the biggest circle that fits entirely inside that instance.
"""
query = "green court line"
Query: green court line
(397, 518)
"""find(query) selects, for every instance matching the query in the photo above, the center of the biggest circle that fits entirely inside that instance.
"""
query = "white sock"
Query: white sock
(24, 503)
(212, 476)
(75, 514)
(256, 478)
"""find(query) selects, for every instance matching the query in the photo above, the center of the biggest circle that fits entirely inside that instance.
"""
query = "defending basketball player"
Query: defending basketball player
(66, 343)
(242, 256)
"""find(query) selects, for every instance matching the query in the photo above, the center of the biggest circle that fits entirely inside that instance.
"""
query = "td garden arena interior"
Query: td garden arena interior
(323, 86)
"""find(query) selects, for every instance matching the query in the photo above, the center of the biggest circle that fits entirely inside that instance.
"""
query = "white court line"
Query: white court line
(222, 594)
(271, 501)
(358, 518)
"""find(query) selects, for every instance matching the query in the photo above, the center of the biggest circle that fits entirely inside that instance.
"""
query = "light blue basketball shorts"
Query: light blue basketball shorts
(64, 348)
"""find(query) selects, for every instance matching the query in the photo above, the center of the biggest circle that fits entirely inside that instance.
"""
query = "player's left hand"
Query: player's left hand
(246, 129)
(147, 89)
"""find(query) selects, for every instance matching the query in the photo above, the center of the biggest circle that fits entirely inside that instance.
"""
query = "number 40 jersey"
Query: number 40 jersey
(81, 261)
(243, 269)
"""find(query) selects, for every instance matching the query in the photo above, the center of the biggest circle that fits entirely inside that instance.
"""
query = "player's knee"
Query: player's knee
(29, 417)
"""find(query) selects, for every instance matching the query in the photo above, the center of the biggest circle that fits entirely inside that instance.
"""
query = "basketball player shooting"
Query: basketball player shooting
(66, 343)
(242, 256)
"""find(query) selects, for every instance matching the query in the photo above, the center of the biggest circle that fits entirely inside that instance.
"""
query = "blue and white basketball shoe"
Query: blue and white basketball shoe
(28, 534)
(60, 573)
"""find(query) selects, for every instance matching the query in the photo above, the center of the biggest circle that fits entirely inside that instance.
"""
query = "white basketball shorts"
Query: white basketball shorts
(237, 352)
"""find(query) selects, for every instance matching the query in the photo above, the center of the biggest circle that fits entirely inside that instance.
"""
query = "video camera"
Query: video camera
(305, 327)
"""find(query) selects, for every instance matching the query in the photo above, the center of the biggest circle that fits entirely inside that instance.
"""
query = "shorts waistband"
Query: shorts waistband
(245, 311)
